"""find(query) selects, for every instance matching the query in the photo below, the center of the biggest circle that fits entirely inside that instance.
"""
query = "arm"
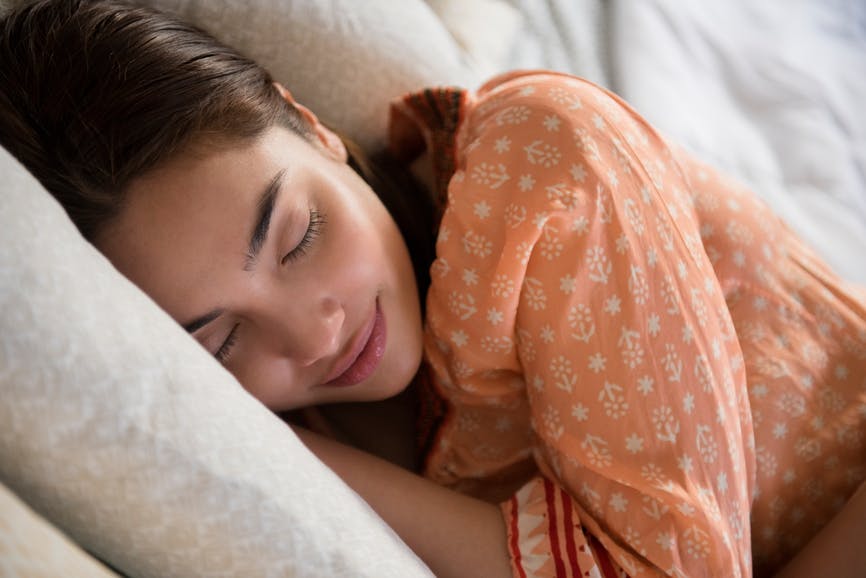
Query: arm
(570, 299)
(838, 549)
(455, 535)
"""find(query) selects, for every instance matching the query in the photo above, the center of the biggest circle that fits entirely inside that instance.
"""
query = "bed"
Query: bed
(119, 431)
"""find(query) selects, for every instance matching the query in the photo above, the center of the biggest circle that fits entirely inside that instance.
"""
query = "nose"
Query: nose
(307, 331)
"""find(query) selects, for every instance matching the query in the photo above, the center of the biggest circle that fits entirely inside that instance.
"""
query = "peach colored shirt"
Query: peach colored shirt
(662, 377)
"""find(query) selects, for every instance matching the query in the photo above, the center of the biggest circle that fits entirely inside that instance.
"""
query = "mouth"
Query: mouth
(364, 354)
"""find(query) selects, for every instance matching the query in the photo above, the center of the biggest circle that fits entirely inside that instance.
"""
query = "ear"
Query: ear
(331, 144)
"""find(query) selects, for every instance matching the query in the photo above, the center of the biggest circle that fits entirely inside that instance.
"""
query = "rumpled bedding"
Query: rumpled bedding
(771, 92)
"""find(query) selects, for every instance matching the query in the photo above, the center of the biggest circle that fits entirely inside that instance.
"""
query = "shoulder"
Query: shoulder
(538, 100)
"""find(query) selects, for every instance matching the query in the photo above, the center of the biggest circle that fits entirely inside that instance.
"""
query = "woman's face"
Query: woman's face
(282, 262)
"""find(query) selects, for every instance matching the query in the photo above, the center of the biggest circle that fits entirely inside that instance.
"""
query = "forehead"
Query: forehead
(185, 224)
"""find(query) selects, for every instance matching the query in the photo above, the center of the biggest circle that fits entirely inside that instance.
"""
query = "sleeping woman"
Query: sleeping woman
(585, 353)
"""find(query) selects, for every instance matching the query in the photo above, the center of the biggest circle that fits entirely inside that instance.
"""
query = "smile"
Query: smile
(364, 356)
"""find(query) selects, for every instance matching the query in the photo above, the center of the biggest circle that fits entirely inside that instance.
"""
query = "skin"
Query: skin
(183, 236)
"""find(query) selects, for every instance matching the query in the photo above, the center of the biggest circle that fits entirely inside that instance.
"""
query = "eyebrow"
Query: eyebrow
(266, 203)
(200, 322)
(262, 225)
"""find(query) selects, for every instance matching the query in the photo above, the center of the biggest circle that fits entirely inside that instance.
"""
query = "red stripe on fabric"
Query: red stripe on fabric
(604, 561)
(553, 532)
(568, 525)
(515, 541)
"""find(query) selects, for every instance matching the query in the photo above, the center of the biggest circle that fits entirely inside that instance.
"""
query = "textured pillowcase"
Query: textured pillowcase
(115, 424)
(31, 548)
(344, 59)
(120, 429)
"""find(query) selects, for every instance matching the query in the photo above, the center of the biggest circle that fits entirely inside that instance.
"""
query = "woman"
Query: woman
(629, 354)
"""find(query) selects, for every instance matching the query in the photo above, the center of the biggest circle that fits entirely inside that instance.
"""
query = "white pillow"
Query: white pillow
(121, 430)
(344, 59)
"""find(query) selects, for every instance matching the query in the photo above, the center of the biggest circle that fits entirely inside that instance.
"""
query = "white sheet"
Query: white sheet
(773, 92)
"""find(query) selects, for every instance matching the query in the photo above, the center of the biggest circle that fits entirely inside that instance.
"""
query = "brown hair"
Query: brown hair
(94, 93)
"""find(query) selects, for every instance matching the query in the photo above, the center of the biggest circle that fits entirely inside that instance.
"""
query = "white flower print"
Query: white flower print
(654, 325)
(515, 215)
(533, 294)
(563, 374)
(645, 385)
(667, 426)
(548, 335)
(697, 543)
(477, 245)
(481, 209)
(614, 403)
(502, 145)
(612, 305)
(597, 121)
(563, 96)
(578, 173)
(522, 252)
(541, 153)
(739, 233)
(622, 244)
(459, 338)
(489, 175)
(462, 305)
(526, 183)
(689, 403)
(539, 219)
(672, 363)
(580, 320)
(630, 347)
(597, 362)
(597, 451)
(586, 144)
(567, 284)
(470, 277)
(780, 430)
(561, 194)
(580, 412)
(580, 225)
(513, 115)
(552, 122)
(598, 264)
(552, 425)
(618, 502)
(637, 285)
(501, 344)
(494, 316)
(550, 247)
(440, 268)
(502, 286)
(699, 307)
(665, 233)
(685, 463)
(706, 443)
(653, 474)
(603, 205)
(634, 443)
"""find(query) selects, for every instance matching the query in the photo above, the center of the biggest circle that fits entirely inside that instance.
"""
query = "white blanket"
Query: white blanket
(772, 92)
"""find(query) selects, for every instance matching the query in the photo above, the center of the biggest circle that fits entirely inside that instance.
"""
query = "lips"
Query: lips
(363, 355)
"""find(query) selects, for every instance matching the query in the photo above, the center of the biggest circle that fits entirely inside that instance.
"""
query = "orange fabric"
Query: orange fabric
(637, 342)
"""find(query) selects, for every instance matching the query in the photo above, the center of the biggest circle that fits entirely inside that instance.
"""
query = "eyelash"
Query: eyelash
(223, 352)
(314, 229)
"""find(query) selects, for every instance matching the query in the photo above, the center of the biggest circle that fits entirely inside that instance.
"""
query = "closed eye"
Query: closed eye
(314, 229)
(222, 354)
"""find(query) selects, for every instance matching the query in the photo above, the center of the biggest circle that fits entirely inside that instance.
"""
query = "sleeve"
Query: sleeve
(575, 321)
